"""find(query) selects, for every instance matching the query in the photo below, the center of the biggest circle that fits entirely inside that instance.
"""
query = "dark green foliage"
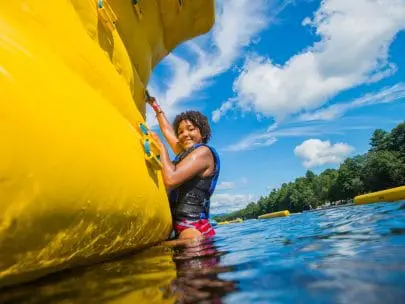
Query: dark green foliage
(397, 139)
(380, 140)
(381, 168)
(349, 182)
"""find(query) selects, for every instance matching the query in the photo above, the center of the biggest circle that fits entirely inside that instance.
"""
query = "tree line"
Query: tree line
(382, 167)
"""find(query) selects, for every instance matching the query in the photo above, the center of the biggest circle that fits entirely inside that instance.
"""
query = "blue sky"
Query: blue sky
(288, 86)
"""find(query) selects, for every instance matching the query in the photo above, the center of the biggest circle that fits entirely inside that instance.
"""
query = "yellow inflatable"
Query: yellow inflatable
(144, 277)
(79, 178)
(389, 195)
(274, 214)
(237, 220)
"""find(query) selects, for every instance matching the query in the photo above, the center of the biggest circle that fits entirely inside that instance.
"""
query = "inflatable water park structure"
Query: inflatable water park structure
(80, 175)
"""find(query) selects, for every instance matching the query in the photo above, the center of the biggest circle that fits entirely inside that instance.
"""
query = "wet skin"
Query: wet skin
(200, 162)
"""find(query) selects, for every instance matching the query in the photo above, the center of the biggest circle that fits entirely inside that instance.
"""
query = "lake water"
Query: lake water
(353, 254)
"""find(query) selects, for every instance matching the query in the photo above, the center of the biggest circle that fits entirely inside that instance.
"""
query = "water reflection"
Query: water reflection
(348, 255)
(161, 274)
(198, 267)
(137, 277)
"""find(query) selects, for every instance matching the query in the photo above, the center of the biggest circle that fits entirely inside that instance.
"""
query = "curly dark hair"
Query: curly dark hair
(198, 119)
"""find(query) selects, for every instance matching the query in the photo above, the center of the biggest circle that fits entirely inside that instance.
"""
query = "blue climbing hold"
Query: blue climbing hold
(146, 146)
(144, 129)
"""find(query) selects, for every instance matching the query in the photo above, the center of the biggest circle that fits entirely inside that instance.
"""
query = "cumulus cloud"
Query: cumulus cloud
(353, 49)
(224, 202)
(316, 152)
(237, 25)
(311, 123)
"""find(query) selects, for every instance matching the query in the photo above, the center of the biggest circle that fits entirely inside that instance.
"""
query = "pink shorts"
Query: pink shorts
(203, 226)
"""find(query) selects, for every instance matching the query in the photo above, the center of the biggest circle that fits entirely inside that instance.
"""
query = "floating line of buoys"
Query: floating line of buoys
(238, 220)
(389, 195)
(274, 214)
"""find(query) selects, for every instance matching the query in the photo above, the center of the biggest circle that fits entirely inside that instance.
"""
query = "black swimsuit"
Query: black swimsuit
(191, 200)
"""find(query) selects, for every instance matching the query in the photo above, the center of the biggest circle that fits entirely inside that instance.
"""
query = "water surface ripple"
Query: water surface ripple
(352, 254)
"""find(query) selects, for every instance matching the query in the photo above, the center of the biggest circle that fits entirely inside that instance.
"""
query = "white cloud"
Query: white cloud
(353, 50)
(309, 124)
(224, 202)
(386, 95)
(316, 152)
(225, 185)
(225, 107)
(251, 142)
(237, 24)
(270, 136)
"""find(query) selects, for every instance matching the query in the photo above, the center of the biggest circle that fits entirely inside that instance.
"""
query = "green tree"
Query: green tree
(325, 183)
(349, 182)
(380, 140)
(252, 210)
(310, 176)
(397, 139)
(302, 198)
(383, 170)
(262, 204)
